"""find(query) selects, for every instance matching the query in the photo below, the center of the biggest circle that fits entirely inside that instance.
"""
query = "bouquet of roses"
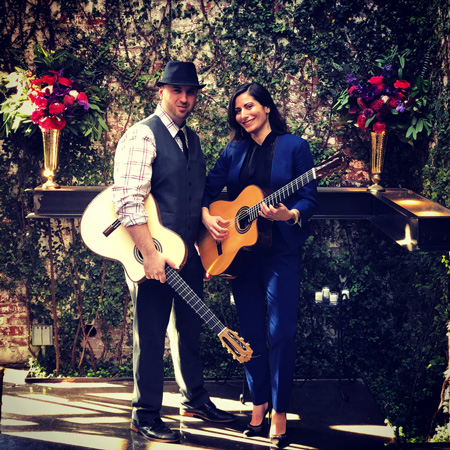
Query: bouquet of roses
(52, 100)
(56, 99)
(381, 103)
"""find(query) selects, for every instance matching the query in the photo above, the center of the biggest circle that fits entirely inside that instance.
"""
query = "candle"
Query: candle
(333, 298)
(319, 297)
(345, 294)
(326, 292)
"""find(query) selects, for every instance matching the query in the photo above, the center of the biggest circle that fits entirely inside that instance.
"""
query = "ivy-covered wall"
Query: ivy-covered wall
(394, 325)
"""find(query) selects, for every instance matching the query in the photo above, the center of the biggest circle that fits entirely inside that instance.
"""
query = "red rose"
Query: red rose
(57, 123)
(402, 84)
(50, 79)
(82, 97)
(376, 80)
(45, 124)
(37, 81)
(351, 89)
(36, 116)
(65, 81)
(377, 104)
(379, 127)
(393, 102)
(69, 100)
(56, 108)
(361, 121)
(41, 102)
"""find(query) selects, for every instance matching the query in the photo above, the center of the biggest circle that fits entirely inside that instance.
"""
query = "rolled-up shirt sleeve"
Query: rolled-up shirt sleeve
(135, 153)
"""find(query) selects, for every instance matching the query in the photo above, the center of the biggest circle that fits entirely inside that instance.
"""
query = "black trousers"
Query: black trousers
(157, 309)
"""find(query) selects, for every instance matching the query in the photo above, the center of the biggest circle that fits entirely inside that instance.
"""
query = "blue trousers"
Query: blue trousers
(267, 296)
(158, 309)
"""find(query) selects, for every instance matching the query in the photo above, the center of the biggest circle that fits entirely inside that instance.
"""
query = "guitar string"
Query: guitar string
(275, 197)
(184, 290)
(181, 287)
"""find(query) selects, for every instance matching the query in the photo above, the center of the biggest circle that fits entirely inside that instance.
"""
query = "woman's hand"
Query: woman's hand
(217, 227)
(278, 212)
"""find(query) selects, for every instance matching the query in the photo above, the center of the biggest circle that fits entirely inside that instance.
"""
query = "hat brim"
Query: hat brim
(198, 86)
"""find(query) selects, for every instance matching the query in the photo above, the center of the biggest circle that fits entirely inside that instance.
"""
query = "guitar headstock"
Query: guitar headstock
(332, 164)
(235, 345)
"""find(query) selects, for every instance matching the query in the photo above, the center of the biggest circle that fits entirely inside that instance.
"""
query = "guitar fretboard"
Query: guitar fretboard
(281, 194)
(194, 301)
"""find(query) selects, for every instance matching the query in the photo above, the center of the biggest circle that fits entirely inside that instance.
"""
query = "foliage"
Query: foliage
(218, 362)
(393, 327)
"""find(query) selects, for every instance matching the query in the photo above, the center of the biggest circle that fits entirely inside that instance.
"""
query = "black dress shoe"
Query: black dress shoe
(155, 430)
(209, 412)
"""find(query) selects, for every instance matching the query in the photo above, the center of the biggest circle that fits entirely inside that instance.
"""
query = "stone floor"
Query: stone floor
(94, 414)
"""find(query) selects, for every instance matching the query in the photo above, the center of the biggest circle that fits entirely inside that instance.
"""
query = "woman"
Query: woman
(262, 153)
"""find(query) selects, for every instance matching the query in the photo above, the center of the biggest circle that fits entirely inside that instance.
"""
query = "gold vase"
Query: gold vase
(378, 150)
(51, 150)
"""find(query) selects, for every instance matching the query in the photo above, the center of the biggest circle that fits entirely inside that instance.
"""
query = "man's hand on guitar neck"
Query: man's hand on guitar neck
(216, 225)
(154, 261)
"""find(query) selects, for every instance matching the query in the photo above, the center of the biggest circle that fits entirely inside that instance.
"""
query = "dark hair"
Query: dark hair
(260, 94)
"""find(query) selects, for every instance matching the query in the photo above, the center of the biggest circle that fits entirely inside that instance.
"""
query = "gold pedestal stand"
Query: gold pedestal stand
(378, 150)
(51, 150)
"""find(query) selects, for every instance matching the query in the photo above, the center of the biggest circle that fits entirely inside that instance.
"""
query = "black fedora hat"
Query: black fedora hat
(180, 73)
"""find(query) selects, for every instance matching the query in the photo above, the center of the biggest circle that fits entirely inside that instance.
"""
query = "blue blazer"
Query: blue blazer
(291, 159)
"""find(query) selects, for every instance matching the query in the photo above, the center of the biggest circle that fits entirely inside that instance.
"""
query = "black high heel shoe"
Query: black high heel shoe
(279, 440)
(256, 430)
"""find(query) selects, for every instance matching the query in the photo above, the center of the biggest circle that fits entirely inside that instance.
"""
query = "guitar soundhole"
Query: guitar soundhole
(138, 254)
(243, 223)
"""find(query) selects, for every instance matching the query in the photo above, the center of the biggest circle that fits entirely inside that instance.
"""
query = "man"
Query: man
(152, 157)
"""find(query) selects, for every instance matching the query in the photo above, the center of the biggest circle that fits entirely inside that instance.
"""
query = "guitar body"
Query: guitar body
(228, 257)
(247, 229)
(103, 233)
(100, 215)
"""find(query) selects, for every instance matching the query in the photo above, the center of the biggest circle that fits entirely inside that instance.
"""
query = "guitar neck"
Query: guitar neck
(193, 300)
(283, 193)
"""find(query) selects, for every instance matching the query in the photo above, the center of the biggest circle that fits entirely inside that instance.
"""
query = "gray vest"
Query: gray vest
(178, 184)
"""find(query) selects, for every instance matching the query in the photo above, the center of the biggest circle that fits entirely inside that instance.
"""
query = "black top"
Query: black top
(257, 166)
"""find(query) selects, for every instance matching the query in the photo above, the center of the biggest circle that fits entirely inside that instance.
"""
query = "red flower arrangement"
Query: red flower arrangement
(382, 103)
(55, 99)
(50, 99)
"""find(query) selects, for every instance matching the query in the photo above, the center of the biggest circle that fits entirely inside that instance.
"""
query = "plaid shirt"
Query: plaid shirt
(135, 153)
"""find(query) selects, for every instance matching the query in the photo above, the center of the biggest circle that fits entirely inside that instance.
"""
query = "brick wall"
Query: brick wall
(14, 336)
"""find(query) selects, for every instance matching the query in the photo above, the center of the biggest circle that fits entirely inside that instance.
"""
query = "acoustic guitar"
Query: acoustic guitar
(103, 233)
(226, 258)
